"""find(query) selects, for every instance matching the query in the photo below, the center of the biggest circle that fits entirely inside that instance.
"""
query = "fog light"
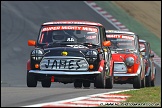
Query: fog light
(36, 65)
(129, 70)
(91, 66)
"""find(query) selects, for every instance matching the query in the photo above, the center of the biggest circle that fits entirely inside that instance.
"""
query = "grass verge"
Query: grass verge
(148, 96)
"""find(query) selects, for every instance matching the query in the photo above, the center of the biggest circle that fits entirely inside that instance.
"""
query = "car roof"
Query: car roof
(119, 31)
(116, 32)
(78, 22)
(141, 40)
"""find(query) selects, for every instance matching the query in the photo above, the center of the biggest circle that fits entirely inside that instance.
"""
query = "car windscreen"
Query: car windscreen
(121, 42)
(69, 33)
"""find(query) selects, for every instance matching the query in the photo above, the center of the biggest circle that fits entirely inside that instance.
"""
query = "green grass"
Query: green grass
(132, 24)
(147, 95)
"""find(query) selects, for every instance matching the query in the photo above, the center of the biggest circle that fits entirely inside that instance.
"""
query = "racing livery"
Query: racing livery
(150, 69)
(128, 62)
(70, 52)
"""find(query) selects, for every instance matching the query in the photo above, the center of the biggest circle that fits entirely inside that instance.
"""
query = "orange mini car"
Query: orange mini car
(128, 61)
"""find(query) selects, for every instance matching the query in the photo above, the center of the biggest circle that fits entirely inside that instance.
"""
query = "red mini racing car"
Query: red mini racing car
(70, 52)
(150, 69)
(128, 61)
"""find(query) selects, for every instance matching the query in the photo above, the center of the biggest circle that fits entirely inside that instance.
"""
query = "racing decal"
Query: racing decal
(64, 64)
(77, 46)
(91, 37)
(70, 39)
(41, 38)
(120, 36)
(51, 28)
(101, 66)
(125, 44)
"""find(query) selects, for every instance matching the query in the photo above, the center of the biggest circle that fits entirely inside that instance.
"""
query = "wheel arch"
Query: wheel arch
(28, 65)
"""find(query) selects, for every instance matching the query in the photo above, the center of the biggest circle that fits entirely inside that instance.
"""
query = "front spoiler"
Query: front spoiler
(63, 72)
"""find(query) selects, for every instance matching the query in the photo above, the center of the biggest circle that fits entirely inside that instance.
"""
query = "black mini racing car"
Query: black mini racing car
(71, 52)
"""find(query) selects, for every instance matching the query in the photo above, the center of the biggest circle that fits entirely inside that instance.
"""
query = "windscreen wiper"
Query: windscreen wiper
(53, 43)
(88, 44)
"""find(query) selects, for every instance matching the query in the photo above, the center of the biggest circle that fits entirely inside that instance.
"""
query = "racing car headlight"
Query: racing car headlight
(37, 54)
(91, 55)
(129, 61)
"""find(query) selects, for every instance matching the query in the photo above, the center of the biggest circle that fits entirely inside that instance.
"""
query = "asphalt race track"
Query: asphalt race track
(20, 21)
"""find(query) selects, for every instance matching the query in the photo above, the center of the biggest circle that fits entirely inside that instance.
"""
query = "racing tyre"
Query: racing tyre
(31, 80)
(86, 84)
(137, 82)
(46, 82)
(78, 84)
(153, 81)
(143, 81)
(100, 80)
(148, 80)
(109, 82)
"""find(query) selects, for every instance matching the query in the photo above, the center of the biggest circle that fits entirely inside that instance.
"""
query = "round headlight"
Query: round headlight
(129, 61)
(91, 55)
(37, 54)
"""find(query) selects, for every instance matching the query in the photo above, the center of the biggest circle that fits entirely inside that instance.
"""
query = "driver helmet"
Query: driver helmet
(58, 35)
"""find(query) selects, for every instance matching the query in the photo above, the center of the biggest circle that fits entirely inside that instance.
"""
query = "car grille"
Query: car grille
(64, 63)
(120, 67)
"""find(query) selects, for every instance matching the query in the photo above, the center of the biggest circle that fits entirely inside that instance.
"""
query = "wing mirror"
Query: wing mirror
(106, 43)
(31, 43)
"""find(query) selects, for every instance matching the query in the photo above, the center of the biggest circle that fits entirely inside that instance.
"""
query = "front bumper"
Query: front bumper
(63, 72)
(124, 75)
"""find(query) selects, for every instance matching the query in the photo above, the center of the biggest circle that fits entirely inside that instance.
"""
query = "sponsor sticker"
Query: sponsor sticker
(120, 36)
(51, 28)
(91, 37)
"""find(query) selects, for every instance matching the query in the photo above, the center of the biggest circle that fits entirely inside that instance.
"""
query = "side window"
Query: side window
(137, 43)
(149, 48)
(103, 34)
